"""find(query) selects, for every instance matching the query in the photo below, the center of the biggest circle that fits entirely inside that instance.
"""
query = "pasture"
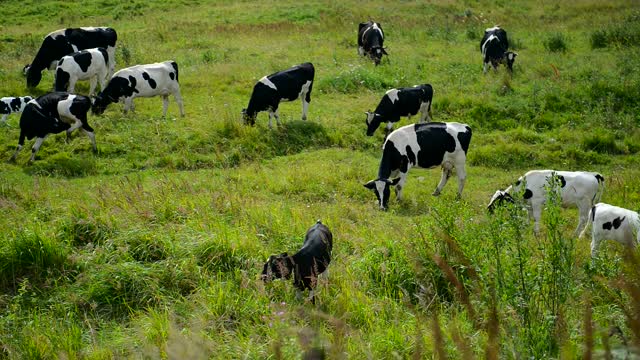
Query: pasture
(152, 247)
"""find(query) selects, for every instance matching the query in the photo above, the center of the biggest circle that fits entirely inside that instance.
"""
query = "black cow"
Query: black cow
(305, 265)
(424, 145)
(12, 105)
(66, 41)
(287, 85)
(53, 113)
(371, 40)
(400, 102)
(494, 46)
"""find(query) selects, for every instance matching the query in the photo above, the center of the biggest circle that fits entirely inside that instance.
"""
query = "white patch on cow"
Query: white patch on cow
(380, 185)
(74, 47)
(510, 56)
(484, 46)
(268, 82)
(393, 95)
(375, 27)
(496, 27)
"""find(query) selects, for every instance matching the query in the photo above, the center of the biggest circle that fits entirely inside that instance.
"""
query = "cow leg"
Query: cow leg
(178, 97)
(447, 167)
(536, 212)
(305, 107)
(360, 50)
(388, 129)
(92, 84)
(485, 67)
(400, 185)
(270, 117)
(20, 144)
(73, 128)
(462, 176)
(595, 243)
(277, 115)
(72, 85)
(425, 108)
(583, 209)
(165, 104)
(4, 118)
(92, 136)
(128, 104)
(36, 147)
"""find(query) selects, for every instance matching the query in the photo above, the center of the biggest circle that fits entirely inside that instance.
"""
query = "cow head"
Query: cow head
(498, 199)
(33, 77)
(376, 52)
(373, 122)
(510, 58)
(248, 118)
(382, 189)
(277, 267)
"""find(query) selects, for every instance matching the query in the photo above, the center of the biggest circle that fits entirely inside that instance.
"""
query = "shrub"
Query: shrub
(217, 255)
(148, 246)
(81, 229)
(602, 142)
(556, 43)
(30, 255)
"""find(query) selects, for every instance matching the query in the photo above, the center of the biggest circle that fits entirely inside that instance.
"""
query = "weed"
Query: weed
(556, 42)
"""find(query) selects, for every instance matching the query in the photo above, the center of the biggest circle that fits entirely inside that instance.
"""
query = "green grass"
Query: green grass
(151, 248)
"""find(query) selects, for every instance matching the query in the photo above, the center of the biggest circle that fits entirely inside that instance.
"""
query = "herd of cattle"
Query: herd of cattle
(88, 53)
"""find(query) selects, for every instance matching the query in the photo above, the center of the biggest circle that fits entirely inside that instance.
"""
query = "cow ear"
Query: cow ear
(370, 185)
(284, 254)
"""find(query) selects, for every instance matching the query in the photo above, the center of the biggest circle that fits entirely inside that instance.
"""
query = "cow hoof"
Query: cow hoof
(436, 193)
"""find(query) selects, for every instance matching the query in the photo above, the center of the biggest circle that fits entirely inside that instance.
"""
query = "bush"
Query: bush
(602, 142)
(30, 255)
(556, 43)
(217, 255)
(81, 229)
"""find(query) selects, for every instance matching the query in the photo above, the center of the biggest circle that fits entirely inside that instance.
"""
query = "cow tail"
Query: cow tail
(590, 219)
(598, 195)
(175, 67)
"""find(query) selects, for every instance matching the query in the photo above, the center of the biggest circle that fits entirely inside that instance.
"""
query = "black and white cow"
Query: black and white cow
(53, 113)
(12, 105)
(401, 102)
(90, 64)
(494, 47)
(306, 264)
(612, 223)
(159, 79)
(371, 41)
(423, 145)
(577, 188)
(66, 41)
(287, 85)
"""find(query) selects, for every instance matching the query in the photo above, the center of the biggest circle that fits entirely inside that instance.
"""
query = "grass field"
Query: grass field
(151, 248)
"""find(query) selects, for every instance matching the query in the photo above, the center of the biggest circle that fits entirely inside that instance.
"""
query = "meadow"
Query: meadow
(152, 247)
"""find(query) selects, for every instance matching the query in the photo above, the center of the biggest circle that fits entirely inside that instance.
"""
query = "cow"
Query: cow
(307, 264)
(612, 223)
(422, 145)
(53, 113)
(577, 188)
(12, 105)
(159, 79)
(400, 102)
(66, 41)
(90, 64)
(371, 40)
(287, 85)
(494, 47)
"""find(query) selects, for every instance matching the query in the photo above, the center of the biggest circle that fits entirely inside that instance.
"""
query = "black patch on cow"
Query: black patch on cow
(518, 182)
(434, 141)
(411, 155)
(83, 58)
(600, 178)
(391, 160)
(171, 75)
(62, 80)
(79, 108)
(15, 104)
(151, 82)
(593, 214)
(175, 67)
(105, 55)
(563, 182)
(607, 225)
(618, 221)
(465, 139)
(528, 194)
(4, 108)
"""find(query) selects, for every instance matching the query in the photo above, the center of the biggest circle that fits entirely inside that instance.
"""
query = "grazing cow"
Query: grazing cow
(612, 223)
(371, 40)
(66, 41)
(423, 145)
(90, 64)
(11, 105)
(51, 114)
(305, 265)
(494, 46)
(288, 85)
(141, 81)
(400, 102)
(577, 188)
